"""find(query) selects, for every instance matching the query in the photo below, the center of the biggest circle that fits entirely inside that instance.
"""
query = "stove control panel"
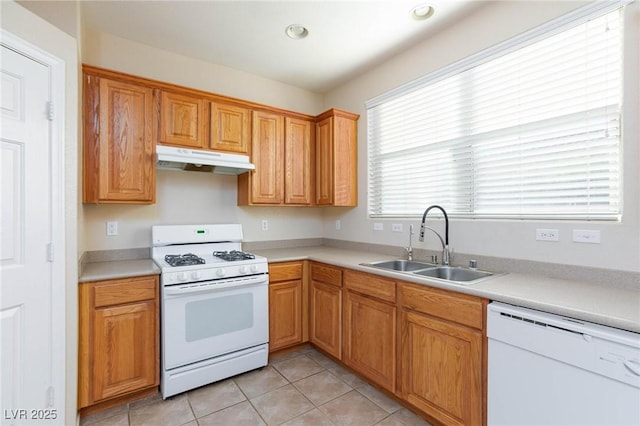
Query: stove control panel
(201, 273)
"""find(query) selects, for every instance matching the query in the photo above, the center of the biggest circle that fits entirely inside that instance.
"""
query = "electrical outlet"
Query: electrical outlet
(112, 228)
(586, 236)
(547, 235)
(396, 227)
(377, 226)
(338, 225)
(265, 225)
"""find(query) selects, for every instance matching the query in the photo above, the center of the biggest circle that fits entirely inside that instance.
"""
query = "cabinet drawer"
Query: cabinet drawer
(129, 290)
(371, 285)
(326, 274)
(285, 271)
(461, 308)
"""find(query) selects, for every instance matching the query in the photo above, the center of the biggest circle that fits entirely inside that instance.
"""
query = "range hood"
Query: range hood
(174, 158)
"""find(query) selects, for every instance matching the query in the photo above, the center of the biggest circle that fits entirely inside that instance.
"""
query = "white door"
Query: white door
(25, 228)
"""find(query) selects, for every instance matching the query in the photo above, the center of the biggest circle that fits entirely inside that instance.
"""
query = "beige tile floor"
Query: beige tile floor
(297, 388)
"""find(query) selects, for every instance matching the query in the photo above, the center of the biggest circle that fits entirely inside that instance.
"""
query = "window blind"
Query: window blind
(531, 132)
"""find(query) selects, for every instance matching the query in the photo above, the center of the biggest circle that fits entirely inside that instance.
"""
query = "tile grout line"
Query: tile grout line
(249, 399)
(186, 394)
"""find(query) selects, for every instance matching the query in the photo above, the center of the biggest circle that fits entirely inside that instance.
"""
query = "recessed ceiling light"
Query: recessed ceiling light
(422, 11)
(296, 31)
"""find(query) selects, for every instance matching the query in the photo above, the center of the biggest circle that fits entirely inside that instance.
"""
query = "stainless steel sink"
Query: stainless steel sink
(401, 265)
(454, 273)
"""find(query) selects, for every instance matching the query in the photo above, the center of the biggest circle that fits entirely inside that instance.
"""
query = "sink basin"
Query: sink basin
(401, 265)
(454, 274)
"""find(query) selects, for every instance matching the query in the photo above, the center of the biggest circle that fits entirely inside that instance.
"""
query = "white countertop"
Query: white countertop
(99, 271)
(601, 304)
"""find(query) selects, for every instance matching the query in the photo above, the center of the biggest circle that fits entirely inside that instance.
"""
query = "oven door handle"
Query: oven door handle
(213, 286)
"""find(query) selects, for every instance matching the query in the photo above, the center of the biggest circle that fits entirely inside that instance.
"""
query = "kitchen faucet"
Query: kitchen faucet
(445, 242)
(410, 248)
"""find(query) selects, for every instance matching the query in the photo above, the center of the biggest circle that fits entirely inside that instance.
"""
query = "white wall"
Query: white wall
(111, 52)
(191, 197)
(45, 36)
(488, 25)
(491, 24)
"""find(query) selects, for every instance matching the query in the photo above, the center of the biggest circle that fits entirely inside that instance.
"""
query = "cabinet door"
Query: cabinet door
(326, 318)
(345, 157)
(118, 338)
(285, 314)
(182, 120)
(230, 128)
(442, 369)
(370, 338)
(119, 147)
(298, 161)
(336, 159)
(324, 162)
(267, 153)
(124, 349)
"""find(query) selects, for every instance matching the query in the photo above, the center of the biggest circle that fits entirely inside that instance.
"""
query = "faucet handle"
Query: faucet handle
(409, 251)
(473, 264)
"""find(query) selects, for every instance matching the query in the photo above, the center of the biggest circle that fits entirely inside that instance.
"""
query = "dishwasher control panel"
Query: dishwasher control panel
(593, 347)
(618, 362)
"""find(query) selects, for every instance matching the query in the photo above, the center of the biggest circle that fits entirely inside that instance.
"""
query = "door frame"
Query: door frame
(57, 330)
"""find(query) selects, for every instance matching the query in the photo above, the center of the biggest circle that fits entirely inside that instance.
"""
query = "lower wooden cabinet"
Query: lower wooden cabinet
(325, 308)
(442, 354)
(370, 327)
(285, 305)
(119, 335)
(427, 346)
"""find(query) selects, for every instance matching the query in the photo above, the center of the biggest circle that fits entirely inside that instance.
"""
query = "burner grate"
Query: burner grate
(183, 259)
(233, 255)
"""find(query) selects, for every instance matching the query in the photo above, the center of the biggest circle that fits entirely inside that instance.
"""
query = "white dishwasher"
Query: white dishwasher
(545, 369)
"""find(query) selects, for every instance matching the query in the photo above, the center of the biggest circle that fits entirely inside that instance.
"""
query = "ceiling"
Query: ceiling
(345, 37)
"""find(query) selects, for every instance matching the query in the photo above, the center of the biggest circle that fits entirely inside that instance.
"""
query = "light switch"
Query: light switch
(586, 236)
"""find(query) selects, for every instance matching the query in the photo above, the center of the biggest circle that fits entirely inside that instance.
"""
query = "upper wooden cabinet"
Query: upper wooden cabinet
(282, 151)
(336, 159)
(264, 185)
(183, 120)
(194, 122)
(299, 167)
(119, 148)
(230, 128)
(300, 160)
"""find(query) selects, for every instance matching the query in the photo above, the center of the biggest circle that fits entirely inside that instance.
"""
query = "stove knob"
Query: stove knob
(243, 270)
(254, 268)
(182, 276)
(196, 275)
(220, 272)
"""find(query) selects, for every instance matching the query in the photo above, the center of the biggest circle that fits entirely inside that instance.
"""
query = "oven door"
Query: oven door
(207, 319)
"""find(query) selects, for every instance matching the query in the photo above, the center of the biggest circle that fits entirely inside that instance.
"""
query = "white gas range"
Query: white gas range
(214, 305)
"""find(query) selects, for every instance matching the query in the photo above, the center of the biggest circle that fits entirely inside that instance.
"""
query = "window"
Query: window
(528, 129)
